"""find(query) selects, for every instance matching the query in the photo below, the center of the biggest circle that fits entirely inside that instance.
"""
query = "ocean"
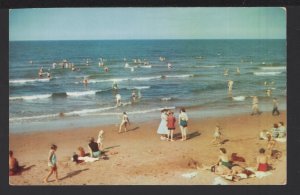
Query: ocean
(195, 80)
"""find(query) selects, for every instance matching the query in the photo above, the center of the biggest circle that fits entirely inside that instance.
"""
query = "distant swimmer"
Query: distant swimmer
(132, 69)
(268, 92)
(162, 58)
(238, 70)
(126, 65)
(225, 72)
(87, 62)
(106, 69)
(54, 65)
(114, 85)
(30, 61)
(118, 100)
(133, 96)
(48, 75)
(169, 65)
(230, 84)
(85, 81)
(265, 83)
(40, 72)
(163, 77)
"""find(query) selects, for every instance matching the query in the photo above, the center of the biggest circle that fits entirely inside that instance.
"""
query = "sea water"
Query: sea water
(195, 80)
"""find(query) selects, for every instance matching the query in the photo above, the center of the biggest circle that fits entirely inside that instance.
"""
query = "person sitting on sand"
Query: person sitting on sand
(217, 135)
(262, 161)
(52, 163)
(263, 135)
(281, 130)
(275, 131)
(271, 143)
(14, 167)
(94, 149)
(171, 125)
(81, 152)
(224, 159)
(183, 123)
(100, 140)
(83, 157)
(124, 122)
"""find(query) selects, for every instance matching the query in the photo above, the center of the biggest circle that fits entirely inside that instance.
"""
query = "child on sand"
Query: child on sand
(52, 163)
(171, 125)
(262, 161)
(100, 140)
(124, 122)
(217, 135)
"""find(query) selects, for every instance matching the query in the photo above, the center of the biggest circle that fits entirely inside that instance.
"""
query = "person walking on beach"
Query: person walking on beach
(255, 109)
(183, 123)
(52, 163)
(124, 122)
(171, 120)
(162, 128)
(275, 111)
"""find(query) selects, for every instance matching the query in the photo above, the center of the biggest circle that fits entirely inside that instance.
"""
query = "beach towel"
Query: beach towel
(219, 181)
(189, 175)
(88, 159)
(261, 174)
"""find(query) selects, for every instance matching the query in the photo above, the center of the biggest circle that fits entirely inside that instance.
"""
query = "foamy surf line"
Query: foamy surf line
(266, 73)
(24, 81)
(274, 68)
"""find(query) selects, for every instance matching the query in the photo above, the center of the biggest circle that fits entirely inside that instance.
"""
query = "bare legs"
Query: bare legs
(53, 170)
(125, 125)
(170, 134)
(183, 133)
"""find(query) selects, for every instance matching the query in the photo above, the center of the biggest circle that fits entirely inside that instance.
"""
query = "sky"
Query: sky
(147, 23)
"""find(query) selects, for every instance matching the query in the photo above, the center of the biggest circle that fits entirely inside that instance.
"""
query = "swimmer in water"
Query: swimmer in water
(48, 75)
(268, 92)
(106, 69)
(169, 65)
(225, 72)
(230, 84)
(85, 81)
(118, 100)
(133, 96)
(115, 85)
(238, 70)
(54, 65)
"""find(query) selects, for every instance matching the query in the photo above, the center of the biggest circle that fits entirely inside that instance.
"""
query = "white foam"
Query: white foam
(81, 93)
(166, 98)
(146, 66)
(107, 80)
(145, 78)
(208, 66)
(34, 117)
(179, 76)
(266, 73)
(30, 97)
(239, 98)
(87, 111)
(141, 87)
(273, 68)
(23, 81)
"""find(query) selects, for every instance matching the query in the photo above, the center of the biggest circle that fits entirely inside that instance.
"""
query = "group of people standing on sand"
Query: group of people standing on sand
(167, 125)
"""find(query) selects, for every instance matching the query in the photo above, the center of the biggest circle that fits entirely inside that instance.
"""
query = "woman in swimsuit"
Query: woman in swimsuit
(124, 122)
(183, 123)
(52, 163)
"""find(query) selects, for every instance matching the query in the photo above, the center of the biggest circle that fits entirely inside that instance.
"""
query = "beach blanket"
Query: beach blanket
(281, 139)
(261, 174)
(88, 159)
(189, 175)
(219, 181)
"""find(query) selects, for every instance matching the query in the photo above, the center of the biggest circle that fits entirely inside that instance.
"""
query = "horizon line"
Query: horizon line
(151, 39)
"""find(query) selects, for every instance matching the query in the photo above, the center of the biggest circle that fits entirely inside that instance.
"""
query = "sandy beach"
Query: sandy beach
(141, 158)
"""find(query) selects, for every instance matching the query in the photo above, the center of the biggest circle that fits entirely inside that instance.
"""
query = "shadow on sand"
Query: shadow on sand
(73, 173)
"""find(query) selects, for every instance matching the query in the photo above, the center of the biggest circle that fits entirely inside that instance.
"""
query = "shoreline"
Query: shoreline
(141, 157)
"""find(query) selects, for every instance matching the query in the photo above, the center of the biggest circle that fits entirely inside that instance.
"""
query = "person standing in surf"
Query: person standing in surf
(255, 109)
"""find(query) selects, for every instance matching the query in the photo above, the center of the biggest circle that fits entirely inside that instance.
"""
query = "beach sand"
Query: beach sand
(142, 158)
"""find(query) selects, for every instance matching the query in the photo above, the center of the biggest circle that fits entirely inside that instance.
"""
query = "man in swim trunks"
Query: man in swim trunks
(262, 161)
